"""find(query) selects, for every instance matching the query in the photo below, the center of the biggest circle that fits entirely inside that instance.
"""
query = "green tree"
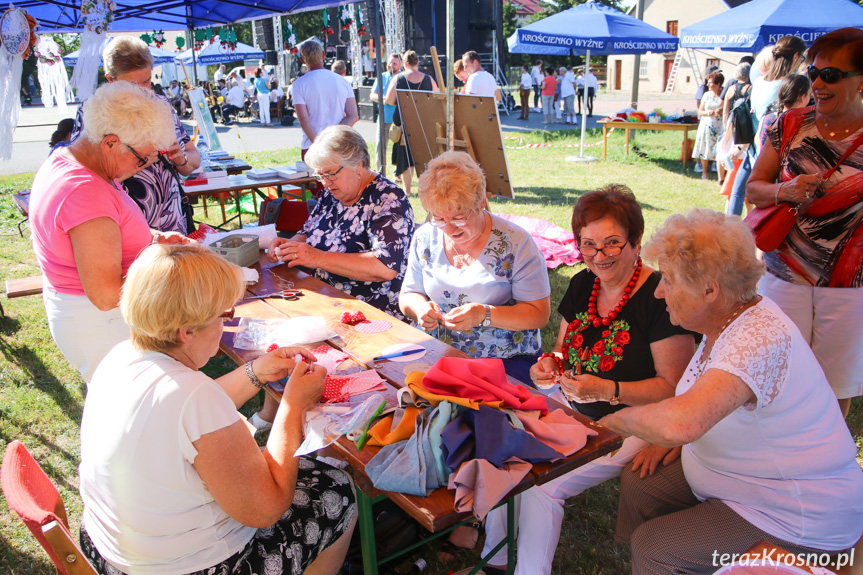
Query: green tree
(509, 19)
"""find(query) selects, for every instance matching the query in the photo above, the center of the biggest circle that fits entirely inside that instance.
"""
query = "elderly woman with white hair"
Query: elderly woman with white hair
(155, 188)
(86, 230)
(172, 480)
(476, 279)
(766, 452)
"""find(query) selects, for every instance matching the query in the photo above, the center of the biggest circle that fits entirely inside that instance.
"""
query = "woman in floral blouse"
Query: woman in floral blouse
(618, 337)
(477, 280)
(356, 239)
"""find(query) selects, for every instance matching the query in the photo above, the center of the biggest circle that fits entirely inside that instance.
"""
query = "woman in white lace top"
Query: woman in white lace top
(767, 454)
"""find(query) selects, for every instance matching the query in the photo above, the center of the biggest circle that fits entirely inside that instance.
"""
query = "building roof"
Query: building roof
(735, 3)
(526, 7)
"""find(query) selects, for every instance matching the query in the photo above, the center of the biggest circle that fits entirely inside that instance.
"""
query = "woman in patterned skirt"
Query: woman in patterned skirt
(172, 479)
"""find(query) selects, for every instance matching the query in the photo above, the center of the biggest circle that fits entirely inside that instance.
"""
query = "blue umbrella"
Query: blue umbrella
(590, 28)
(759, 23)
(160, 56)
(145, 15)
(215, 53)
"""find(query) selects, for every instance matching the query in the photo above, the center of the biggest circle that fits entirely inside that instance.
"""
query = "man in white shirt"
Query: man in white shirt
(592, 88)
(567, 94)
(321, 97)
(579, 86)
(480, 82)
(537, 76)
(524, 87)
(235, 99)
(219, 75)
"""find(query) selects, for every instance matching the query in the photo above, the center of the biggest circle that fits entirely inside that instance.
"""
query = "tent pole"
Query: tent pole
(192, 41)
(636, 66)
(450, 58)
(584, 103)
(382, 138)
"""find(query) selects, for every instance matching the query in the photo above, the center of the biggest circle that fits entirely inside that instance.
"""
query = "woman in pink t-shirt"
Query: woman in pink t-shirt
(86, 230)
(549, 83)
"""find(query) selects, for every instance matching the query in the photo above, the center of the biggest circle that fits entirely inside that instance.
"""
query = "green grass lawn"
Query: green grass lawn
(41, 398)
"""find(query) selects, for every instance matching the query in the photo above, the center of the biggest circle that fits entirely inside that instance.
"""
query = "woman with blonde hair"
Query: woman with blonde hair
(766, 454)
(172, 480)
(410, 79)
(477, 280)
(155, 188)
(86, 230)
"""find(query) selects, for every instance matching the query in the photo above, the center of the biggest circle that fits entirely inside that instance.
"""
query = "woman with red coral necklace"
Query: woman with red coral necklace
(622, 349)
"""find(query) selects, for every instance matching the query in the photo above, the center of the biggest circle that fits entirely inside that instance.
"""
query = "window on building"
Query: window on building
(642, 68)
(713, 62)
(671, 27)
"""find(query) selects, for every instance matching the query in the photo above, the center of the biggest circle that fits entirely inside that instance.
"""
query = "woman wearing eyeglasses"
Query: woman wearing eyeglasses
(618, 338)
(86, 230)
(474, 280)
(816, 273)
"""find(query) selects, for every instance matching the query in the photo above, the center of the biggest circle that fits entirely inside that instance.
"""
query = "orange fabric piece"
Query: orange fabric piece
(415, 382)
(382, 433)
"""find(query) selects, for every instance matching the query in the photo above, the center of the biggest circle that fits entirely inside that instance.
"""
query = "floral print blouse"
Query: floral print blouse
(510, 268)
(381, 221)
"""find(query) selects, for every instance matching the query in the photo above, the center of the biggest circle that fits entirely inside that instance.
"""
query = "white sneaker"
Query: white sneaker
(698, 168)
(260, 424)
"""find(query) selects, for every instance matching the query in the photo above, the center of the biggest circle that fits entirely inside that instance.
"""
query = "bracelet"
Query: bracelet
(556, 358)
(252, 377)
(185, 161)
(776, 195)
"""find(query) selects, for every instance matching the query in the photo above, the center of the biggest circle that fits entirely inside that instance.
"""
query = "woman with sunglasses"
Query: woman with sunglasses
(172, 480)
(816, 273)
(476, 281)
(86, 230)
(618, 339)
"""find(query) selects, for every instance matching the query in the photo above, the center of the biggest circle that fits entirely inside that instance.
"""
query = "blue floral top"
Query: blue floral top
(511, 268)
(381, 221)
(154, 188)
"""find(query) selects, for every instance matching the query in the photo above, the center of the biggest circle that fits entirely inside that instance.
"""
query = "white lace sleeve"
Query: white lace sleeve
(756, 348)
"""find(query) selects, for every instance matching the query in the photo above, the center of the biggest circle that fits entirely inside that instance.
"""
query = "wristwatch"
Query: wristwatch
(615, 399)
(487, 321)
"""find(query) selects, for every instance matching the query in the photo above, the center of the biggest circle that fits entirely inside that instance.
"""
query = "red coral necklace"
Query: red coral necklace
(593, 316)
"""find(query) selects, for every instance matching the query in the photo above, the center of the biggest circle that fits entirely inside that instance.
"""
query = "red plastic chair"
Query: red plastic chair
(34, 498)
(292, 215)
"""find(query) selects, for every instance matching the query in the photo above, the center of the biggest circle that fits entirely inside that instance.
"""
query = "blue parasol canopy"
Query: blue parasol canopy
(215, 53)
(160, 56)
(759, 23)
(144, 15)
(595, 28)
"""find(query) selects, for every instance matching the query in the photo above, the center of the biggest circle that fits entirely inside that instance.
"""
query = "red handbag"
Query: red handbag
(771, 225)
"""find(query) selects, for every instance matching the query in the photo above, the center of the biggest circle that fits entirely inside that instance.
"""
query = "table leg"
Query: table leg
(367, 533)
(510, 536)
(239, 209)
(627, 141)
(685, 145)
(604, 141)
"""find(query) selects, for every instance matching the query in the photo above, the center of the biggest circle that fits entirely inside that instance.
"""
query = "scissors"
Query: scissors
(287, 295)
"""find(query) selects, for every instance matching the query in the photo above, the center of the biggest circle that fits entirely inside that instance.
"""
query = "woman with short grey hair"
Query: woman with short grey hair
(766, 452)
(155, 188)
(86, 230)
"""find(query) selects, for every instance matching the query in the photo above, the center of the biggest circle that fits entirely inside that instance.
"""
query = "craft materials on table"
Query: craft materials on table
(374, 326)
(325, 423)
(287, 294)
(257, 334)
(402, 352)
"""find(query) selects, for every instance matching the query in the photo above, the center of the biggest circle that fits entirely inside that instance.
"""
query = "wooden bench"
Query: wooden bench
(23, 287)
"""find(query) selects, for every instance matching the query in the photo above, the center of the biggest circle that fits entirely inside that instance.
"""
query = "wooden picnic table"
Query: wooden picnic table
(436, 511)
(659, 126)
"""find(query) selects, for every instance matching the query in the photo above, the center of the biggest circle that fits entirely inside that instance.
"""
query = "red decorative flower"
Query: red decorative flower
(616, 350)
(606, 333)
(598, 347)
(622, 338)
(606, 363)
(578, 341)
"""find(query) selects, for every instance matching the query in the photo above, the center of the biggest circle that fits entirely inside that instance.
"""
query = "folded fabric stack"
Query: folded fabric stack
(480, 437)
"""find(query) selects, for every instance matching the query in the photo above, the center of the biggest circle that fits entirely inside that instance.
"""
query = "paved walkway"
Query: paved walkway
(30, 140)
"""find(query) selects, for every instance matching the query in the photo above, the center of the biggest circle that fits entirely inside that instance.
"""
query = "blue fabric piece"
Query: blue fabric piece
(441, 419)
(488, 434)
(738, 190)
(518, 367)
(407, 466)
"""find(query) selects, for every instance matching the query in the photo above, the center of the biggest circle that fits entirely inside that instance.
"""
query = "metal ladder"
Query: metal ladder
(675, 68)
(499, 77)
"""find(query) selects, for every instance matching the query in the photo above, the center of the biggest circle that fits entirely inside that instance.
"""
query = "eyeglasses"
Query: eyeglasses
(457, 222)
(141, 161)
(228, 315)
(328, 177)
(611, 250)
(829, 75)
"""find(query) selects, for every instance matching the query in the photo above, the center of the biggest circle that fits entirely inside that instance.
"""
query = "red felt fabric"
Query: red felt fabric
(30, 493)
(480, 379)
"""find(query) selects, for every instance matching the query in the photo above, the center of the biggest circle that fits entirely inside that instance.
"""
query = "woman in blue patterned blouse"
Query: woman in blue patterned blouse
(478, 280)
(356, 238)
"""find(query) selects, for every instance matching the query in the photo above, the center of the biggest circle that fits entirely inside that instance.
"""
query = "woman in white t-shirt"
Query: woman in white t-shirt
(766, 452)
(172, 479)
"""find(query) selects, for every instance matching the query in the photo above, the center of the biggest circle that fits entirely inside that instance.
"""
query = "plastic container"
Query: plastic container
(238, 249)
